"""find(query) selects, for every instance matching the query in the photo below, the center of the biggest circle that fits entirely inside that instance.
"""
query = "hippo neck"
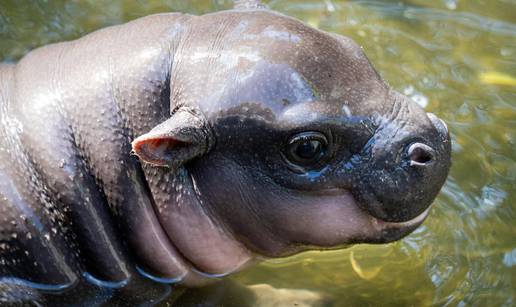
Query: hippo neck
(205, 246)
(201, 239)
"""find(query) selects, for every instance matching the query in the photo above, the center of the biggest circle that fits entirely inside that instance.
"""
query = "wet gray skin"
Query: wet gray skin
(253, 136)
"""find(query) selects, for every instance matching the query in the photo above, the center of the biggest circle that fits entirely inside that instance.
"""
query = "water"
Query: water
(458, 60)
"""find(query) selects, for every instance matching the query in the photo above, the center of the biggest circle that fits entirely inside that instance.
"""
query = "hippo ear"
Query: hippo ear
(182, 137)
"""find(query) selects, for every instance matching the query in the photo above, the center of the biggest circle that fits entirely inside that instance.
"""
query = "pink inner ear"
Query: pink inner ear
(155, 150)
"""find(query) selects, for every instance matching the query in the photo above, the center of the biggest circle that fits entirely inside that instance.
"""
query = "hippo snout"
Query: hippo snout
(408, 163)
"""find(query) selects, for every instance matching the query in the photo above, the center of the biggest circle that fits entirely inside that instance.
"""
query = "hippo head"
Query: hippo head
(293, 141)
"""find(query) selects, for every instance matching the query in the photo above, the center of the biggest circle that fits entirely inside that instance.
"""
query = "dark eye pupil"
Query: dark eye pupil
(308, 149)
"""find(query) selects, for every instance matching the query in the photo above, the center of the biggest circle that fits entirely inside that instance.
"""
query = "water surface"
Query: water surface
(455, 58)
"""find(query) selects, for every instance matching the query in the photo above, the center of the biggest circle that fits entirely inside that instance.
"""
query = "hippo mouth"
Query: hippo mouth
(396, 230)
(392, 229)
(337, 219)
(374, 229)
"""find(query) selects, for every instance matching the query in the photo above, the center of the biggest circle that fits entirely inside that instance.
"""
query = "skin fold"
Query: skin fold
(168, 151)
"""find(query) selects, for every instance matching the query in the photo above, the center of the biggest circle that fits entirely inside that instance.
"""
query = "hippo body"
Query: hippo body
(244, 126)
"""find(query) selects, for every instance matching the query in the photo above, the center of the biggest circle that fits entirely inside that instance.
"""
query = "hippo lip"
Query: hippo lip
(393, 230)
(343, 214)
(414, 222)
(338, 220)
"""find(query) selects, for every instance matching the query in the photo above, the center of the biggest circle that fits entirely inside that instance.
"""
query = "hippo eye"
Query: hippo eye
(306, 148)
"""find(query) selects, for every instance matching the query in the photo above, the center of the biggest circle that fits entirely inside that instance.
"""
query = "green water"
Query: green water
(457, 57)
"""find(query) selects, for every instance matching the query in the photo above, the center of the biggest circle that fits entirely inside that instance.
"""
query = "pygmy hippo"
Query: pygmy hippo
(182, 148)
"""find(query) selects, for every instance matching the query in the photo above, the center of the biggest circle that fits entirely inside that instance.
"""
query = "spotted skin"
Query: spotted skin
(209, 102)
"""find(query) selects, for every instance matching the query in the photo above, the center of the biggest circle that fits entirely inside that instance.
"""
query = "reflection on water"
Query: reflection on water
(455, 58)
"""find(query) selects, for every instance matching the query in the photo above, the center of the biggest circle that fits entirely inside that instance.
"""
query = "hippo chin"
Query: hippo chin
(181, 148)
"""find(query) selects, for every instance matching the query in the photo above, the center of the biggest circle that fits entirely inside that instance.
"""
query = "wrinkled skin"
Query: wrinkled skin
(215, 109)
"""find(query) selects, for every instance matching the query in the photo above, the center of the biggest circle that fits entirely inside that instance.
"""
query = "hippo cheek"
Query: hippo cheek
(274, 221)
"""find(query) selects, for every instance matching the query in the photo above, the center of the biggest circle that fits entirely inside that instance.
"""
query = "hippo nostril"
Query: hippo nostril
(420, 154)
